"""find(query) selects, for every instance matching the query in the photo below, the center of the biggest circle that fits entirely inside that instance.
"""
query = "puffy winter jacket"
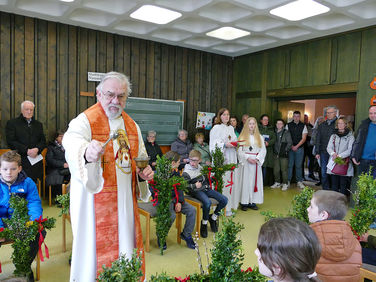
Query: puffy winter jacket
(23, 187)
(341, 255)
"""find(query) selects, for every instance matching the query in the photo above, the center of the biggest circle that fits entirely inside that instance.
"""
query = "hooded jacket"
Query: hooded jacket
(23, 187)
(341, 255)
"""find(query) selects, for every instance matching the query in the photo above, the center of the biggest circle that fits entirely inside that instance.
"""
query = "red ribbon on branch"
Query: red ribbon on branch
(176, 191)
(355, 233)
(209, 176)
(41, 239)
(182, 279)
(231, 182)
(216, 183)
(152, 183)
(249, 269)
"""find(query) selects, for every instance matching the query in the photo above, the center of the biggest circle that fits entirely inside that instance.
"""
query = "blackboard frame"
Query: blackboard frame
(166, 117)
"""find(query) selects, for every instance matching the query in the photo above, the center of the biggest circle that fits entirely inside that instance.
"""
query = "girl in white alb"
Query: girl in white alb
(251, 154)
(221, 135)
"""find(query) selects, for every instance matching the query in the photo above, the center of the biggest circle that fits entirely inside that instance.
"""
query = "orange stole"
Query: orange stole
(106, 213)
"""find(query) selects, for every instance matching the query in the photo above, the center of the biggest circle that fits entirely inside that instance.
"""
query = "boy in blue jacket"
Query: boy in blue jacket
(15, 181)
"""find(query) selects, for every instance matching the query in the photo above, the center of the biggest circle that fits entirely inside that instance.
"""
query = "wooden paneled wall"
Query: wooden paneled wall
(47, 63)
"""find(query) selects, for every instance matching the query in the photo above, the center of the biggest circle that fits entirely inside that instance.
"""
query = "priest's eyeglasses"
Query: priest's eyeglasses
(110, 95)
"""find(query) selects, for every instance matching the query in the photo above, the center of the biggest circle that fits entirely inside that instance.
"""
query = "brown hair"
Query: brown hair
(220, 112)
(11, 156)
(244, 135)
(334, 203)
(195, 154)
(198, 135)
(291, 245)
(172, 156)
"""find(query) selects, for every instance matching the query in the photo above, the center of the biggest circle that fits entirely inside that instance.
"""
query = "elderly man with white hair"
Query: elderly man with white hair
(25, 134)
(103, 193)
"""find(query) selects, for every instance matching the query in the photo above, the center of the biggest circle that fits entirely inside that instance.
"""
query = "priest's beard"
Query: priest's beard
(111, 114)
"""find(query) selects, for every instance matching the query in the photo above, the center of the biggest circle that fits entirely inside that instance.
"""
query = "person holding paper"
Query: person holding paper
(25, 134)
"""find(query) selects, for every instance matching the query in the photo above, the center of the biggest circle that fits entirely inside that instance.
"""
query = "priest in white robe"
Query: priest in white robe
(221, 135)
(251, 155)
(103, 194)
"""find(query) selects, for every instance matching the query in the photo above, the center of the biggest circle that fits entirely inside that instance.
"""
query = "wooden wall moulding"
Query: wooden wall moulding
(313, 90)
(87, 94)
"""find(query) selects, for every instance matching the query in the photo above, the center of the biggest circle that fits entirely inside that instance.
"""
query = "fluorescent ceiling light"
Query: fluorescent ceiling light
(67, 0)
(154, 14)
(228, 33)
(299, 10)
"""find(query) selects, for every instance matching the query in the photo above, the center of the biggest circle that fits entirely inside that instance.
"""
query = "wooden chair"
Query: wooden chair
(65, 218)
(197, 205)
(37, 260)
(367, 271)
(2, 151)
(147, 210)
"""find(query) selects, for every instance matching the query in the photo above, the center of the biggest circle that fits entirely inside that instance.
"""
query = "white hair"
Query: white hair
(25, 102)
(184, 131)
(152, 132)
(120, 77)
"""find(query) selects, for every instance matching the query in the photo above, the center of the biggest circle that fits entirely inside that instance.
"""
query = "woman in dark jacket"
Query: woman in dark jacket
(182, 145)
(152, 148)
(57, 166)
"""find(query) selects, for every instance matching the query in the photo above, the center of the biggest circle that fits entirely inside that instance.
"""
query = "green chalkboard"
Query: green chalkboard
(163, 116)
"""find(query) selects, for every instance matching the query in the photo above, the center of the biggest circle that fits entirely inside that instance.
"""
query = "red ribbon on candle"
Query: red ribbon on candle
(41, 239)
(176, 191)
(231, 182)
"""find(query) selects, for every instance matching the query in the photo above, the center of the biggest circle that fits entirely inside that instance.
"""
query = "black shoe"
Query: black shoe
(213, 224)
(253, 206)
(159, 245)
(189, 240)
(204, 230)
(318, 183)
(313, 177)
(244, 207)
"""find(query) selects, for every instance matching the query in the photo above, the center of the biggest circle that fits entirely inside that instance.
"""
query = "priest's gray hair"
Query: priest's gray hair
(26, 102)
(334, 107)
(119, 76)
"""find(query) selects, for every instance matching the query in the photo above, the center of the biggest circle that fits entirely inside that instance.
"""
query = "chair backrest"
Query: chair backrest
(2, 151)
(44, 153)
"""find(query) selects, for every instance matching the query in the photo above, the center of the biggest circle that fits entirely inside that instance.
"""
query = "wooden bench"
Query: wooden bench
(368, 271)
(37, 259)
(149, 211)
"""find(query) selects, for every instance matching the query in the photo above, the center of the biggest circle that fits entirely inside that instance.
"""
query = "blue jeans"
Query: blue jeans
(365, 166)
(203, 196)
(296, 158)
(324, 158)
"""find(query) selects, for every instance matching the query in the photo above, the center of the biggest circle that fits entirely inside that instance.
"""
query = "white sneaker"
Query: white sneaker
(285, 187)
(275, 185)
(300, 185)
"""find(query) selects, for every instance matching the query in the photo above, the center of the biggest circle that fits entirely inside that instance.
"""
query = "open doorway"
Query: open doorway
(314, 108)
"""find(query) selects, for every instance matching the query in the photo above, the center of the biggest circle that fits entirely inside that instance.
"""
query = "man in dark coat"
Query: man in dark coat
(364, 149)
(25, 134)
(324, 131)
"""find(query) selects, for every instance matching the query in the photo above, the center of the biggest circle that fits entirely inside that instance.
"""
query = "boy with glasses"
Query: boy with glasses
(199, 188)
